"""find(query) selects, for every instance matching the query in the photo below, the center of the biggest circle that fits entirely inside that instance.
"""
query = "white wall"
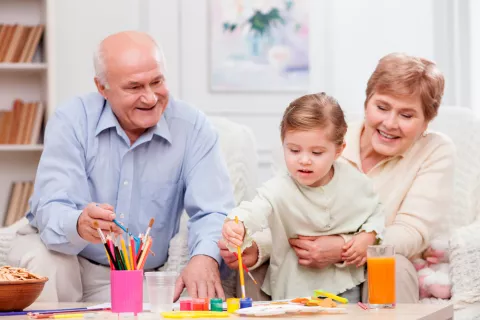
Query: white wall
(475, 54)
(356, 34)
(79, 27)
(347, 39)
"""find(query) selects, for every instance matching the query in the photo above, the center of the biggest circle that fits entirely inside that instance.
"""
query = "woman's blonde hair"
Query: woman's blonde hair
(400, 75)
(314, 111)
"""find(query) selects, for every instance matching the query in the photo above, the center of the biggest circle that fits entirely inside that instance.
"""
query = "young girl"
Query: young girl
(318, 196)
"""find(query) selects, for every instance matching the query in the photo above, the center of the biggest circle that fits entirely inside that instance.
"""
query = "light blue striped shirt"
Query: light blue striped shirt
(173, 166)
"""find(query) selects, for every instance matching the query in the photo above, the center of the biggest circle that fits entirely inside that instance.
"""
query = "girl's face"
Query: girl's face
(393, 124)
(309, 155)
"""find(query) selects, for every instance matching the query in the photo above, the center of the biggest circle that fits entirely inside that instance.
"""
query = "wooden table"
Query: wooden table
(401, 312)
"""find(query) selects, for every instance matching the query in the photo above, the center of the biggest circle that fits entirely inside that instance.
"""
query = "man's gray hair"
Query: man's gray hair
(100, 67)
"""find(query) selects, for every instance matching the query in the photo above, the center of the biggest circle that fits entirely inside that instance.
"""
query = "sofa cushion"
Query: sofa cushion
(6, 237)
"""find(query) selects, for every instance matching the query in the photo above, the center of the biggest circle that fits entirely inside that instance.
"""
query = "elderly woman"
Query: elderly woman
(411, 167)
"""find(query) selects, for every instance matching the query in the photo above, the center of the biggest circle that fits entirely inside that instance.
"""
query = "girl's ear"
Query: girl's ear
(339, 150)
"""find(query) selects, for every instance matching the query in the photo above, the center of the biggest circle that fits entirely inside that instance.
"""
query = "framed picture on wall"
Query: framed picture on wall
(258, 45)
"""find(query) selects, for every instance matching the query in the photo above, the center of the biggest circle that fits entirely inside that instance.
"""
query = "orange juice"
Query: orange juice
(381, 280)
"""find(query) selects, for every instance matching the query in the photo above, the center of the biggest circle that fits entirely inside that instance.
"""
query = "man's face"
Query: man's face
(136, 91)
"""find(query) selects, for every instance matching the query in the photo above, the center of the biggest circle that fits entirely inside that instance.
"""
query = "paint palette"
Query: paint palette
(282, 309)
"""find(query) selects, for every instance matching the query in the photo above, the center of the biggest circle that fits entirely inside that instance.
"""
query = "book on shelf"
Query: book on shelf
(18, 43)
(20, 193)
(22, 124)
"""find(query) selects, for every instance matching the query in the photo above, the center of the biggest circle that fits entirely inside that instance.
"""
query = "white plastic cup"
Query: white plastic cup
(160, 288)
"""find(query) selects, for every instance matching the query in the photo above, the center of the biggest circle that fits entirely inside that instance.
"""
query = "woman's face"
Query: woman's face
(393, 124)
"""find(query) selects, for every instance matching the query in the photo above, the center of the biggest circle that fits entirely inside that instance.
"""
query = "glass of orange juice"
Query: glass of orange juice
(381, 276)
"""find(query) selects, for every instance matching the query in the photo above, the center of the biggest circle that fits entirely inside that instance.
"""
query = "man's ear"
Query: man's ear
(340, 149)
(100, 87)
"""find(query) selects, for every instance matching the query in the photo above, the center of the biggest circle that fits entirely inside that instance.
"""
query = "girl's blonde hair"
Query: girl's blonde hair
(402, 75)
(315, 111)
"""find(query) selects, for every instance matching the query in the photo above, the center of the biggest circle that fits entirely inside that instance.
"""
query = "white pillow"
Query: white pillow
(465, 263)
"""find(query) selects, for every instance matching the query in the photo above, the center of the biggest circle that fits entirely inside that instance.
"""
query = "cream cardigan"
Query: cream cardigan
(415, 188)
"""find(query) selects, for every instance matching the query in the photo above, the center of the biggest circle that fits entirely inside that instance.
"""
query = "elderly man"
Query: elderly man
(130, 152)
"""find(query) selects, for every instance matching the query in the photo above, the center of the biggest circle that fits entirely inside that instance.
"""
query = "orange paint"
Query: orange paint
(381, 280)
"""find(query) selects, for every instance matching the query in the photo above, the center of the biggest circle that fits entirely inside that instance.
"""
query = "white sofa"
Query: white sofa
(238, 146)
(463, 127)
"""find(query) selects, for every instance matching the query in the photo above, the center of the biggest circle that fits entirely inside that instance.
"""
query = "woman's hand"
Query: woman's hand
(249, 255)
(318, 252)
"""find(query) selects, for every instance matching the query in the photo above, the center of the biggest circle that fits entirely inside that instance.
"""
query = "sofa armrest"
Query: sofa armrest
(464, 262)
(6, 237)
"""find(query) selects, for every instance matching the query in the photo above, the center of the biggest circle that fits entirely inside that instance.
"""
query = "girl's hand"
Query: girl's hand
(355, 251)
(233, 232)
(249, 255)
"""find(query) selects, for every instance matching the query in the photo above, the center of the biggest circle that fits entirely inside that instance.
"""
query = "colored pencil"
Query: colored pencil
(125, 254)
(132, 252)
(118, 257)
(143, 258)
(66, 316)
(112, 252)
(49, 311)
(362, 305)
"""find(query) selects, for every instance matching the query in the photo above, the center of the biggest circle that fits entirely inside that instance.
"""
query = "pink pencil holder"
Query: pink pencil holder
(126, 290)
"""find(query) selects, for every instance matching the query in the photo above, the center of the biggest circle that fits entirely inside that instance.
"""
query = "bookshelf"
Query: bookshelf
(20, 147)
(26, 75)
(20, 67)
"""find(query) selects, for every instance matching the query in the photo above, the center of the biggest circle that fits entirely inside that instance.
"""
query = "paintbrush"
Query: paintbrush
(150, 224)
(144, 239)
(124, 229)
(104, 241)
(240, 267)
(246, 269)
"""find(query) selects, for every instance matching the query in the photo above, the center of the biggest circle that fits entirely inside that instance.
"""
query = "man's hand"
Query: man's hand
(233, 232)
(103, 214)
(201, 277)
(317, 252)
(355, 251)
(249, 255)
